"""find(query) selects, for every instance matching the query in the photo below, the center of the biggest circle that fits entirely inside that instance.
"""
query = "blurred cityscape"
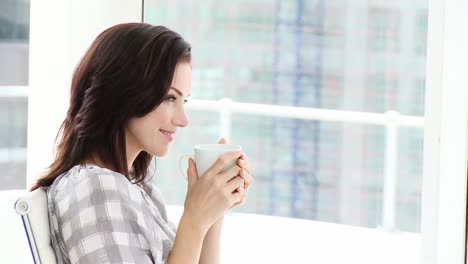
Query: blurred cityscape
(358, 55)
(14, 63)
(355, 55)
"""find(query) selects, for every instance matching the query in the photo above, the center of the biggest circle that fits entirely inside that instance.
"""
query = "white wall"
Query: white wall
(445, 142)
(61, 31)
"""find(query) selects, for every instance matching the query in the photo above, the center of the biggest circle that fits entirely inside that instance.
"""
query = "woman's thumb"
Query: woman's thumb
(191, 172)
(222, 141)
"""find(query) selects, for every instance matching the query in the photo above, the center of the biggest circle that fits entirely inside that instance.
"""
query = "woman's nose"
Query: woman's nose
(181, 119)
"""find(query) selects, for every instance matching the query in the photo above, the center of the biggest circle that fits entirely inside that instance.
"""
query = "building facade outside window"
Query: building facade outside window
(14, 63)
(365, 56)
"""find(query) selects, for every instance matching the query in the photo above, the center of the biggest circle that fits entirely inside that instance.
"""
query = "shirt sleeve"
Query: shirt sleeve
(101, 221)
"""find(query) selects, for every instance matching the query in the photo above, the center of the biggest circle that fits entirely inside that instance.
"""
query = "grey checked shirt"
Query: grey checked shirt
(98, 216)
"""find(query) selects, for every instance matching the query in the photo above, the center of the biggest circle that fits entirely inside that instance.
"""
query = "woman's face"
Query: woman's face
(155, 131)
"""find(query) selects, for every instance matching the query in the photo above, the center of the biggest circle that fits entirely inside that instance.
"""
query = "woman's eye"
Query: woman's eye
(171, 98)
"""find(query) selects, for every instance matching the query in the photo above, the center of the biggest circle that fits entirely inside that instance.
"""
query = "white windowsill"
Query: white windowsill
(249, 238)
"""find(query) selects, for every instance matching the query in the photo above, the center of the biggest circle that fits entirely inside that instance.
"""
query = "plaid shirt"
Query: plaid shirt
(98, 216)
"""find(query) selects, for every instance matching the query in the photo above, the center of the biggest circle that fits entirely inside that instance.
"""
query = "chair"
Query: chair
(32, 207)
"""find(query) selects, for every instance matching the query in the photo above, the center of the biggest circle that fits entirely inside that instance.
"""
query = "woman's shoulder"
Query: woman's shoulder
(91, 181)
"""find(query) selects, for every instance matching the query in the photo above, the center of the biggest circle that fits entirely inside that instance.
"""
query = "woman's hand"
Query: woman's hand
(210, 195)
(246, 173)
(246, 170)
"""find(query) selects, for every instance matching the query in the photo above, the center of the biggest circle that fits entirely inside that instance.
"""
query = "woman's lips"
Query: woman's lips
(168, 134)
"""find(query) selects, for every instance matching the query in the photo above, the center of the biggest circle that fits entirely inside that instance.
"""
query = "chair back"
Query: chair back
(32, 207)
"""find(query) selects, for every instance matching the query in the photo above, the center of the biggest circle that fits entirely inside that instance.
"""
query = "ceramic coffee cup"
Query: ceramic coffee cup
(205, 156)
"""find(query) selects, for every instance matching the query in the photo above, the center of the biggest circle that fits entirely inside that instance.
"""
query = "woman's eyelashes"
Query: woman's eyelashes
(173, 98)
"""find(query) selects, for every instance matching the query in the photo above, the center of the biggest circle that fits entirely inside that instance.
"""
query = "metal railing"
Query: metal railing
(391, 120)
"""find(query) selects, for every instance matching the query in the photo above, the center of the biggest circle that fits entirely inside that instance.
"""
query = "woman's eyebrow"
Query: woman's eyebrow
(178, 91)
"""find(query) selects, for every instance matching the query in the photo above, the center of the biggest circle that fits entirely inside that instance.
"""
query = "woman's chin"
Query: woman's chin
(160, 152)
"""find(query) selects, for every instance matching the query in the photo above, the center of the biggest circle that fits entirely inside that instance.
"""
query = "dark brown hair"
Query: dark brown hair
(125, 73)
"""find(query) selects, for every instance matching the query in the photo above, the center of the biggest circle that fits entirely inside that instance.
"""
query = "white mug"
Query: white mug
(205, 156)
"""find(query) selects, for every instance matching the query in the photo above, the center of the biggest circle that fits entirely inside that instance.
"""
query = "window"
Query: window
(384, 29)
(302, 54)
(14, 51)
(420, 33)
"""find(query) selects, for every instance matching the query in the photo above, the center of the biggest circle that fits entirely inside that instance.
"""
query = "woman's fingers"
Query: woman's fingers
(244, 162)
(247, 178)
(241, 196)
(191, 172)
(235, 183)
(229, 174)
(238, 197)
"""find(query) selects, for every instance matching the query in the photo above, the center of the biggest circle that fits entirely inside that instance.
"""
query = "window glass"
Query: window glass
(14, 63)
(366, 56)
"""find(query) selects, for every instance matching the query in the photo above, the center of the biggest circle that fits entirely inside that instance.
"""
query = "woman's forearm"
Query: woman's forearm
(210, 253)
(187, 244)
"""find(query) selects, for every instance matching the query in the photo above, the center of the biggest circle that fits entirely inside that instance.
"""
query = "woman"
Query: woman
(127, 102)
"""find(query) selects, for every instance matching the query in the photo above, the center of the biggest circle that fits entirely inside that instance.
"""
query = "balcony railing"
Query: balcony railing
(391, 120)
